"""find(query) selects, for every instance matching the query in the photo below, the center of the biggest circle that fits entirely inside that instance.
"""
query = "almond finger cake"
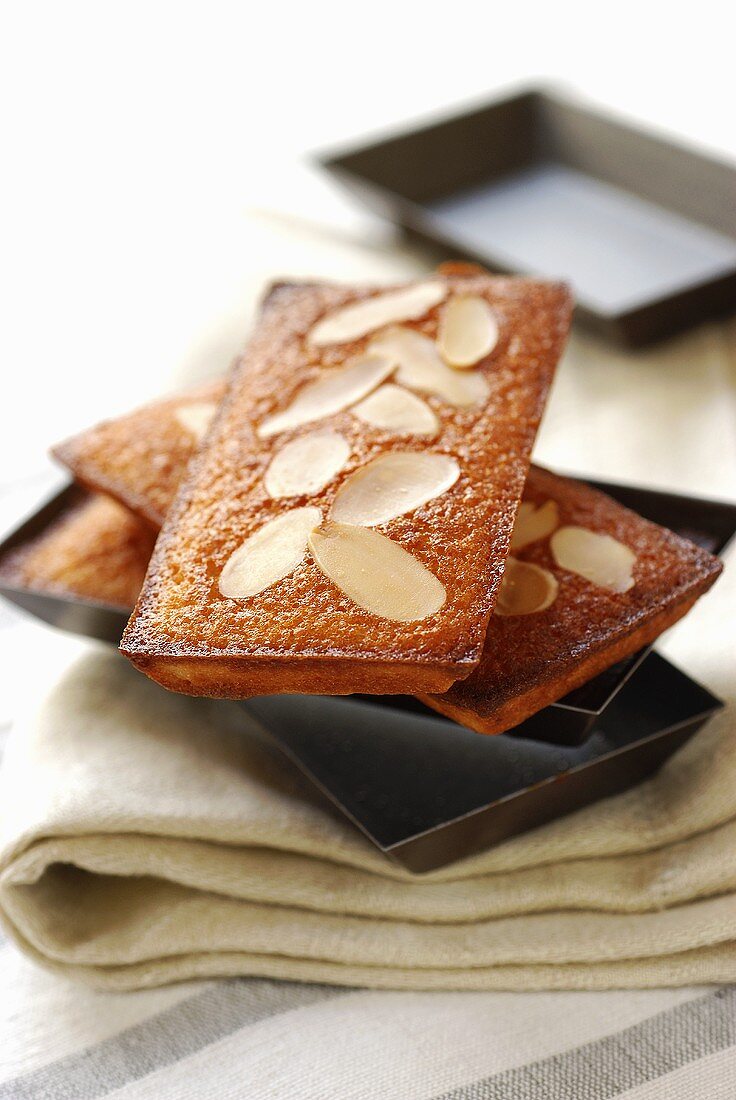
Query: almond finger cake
(345, 524)
(587, 583)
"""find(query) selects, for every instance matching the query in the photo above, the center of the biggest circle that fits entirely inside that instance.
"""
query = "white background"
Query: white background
(136, 137)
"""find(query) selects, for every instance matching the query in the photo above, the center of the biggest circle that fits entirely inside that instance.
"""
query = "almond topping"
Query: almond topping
(599, 558)
(534, 523)
(196, 417)
(270, 554)
(421, 367)
(306, 465)
(331, 392)
(525, 589)
(392, 485)
(356, 320)
(376, 573)
(396, 410)
(468, 331)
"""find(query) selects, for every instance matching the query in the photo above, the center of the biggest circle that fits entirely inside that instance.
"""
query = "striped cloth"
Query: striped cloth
(258, 1038)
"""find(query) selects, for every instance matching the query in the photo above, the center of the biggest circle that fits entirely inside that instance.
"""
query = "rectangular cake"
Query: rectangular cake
(96, 549)
(345, 525)
(587, 583)
(138, 459)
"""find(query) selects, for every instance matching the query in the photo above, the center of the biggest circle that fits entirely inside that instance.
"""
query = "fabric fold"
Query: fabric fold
(168, 838)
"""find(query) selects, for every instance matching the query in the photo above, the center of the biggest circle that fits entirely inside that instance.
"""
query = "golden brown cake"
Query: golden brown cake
(97, 550)
(531, 660)
(138, 459)
(412, 411)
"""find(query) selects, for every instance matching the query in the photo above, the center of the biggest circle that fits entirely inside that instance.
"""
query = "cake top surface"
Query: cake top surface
(139, 458)
(95, 549)
(451, 437)
(598, 590)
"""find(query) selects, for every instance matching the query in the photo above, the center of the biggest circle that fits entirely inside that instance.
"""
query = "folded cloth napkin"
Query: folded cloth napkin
(147, 837)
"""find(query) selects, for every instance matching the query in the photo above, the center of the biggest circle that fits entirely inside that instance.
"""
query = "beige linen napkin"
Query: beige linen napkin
(147, 837)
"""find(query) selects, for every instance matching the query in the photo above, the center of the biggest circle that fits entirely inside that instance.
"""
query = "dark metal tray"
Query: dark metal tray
(644, 229)
(428, 792)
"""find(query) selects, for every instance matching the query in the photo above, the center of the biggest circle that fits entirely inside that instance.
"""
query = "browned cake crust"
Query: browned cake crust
(138, 459)
(530, 661)
(97, 550)
(302, 634)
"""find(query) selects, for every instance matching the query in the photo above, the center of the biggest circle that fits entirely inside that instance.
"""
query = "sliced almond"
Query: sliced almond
(394, 409)
(270, 554)
(376, 573)
(333, 391)
(356, 320)
(393, 485)
(306, 465)
(525, 589)
(468, 331)
(534, 523)
(196, 417)
(599, 558)
(420, 366)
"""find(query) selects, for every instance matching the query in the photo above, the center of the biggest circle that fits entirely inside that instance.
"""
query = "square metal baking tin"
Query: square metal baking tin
(92, 618)
(427, 791)
(535, 184)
